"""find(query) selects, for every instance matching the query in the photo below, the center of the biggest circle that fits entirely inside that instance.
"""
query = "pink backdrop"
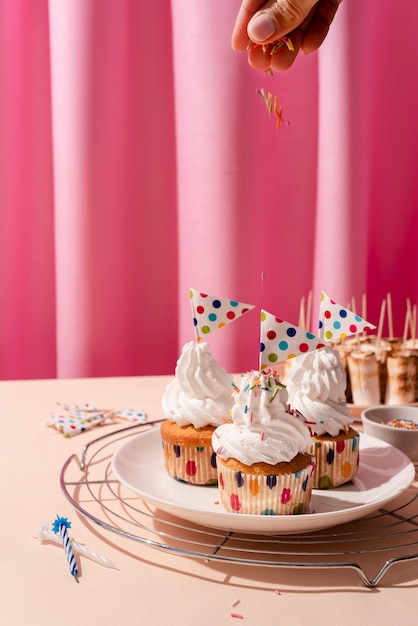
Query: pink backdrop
(136, 161)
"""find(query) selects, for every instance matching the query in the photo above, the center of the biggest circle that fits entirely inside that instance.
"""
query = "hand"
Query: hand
(259, 23)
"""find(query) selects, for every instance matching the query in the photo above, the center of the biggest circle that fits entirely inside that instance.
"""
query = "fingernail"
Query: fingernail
(262, 27)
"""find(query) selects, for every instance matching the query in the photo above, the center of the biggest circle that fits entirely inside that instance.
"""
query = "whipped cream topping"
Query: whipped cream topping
(316, 388)
(262, 430)
(201, 393)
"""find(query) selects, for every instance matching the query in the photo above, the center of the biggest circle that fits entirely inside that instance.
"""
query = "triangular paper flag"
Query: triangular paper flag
(336, 322)
(280, 340)
(211, 313)
(73, 419)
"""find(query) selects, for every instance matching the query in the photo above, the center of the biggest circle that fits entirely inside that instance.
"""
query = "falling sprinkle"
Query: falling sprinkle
(237, 615)
(272, 104)
(277, 592)
(236, 602)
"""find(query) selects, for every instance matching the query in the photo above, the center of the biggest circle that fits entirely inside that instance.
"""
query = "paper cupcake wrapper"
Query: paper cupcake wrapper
(255, 494)
(191, 464)
(336, 462)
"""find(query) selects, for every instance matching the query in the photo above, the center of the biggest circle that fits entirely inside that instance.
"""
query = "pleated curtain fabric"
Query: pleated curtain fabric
(137, 160)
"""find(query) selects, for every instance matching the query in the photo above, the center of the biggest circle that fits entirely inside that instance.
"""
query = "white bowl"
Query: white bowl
(375, 421)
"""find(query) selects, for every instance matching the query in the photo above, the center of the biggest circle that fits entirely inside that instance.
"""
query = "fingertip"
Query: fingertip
(261, 27)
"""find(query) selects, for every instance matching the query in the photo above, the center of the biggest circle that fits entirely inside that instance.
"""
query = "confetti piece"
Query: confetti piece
(237, 615)
(277, 592)
(236, 602)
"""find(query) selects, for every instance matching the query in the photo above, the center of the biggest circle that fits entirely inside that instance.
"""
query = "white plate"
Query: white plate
(384, 472)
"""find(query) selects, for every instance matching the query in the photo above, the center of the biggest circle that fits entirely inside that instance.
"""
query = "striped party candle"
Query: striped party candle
(61, 525)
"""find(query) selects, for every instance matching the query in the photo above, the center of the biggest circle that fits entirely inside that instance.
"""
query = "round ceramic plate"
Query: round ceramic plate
(384, 472)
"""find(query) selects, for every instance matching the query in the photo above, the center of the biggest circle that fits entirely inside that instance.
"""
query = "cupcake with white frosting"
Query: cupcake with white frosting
(264, 467)
(316, 390)
(195, 402)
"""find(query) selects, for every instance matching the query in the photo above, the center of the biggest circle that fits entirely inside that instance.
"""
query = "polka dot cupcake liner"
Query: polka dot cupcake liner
(191, 464)
(336, 461)
(256, 494)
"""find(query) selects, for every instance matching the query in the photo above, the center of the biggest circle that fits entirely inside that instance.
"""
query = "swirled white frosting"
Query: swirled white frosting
(316, 388)
(262, 430)
(201, 392)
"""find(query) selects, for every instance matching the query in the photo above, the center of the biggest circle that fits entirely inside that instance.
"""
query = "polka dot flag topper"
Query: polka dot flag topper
(280, 341)
(336, 322)
(211, 313)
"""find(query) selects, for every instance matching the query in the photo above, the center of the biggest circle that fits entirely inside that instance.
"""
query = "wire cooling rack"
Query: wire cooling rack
(374, 543)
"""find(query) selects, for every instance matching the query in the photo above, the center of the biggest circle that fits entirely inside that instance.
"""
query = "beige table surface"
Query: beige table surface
(151, 586)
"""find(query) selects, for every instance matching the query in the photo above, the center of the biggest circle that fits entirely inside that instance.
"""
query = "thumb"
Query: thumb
(277, 18)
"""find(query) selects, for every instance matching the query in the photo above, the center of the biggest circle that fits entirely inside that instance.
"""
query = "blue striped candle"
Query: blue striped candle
(60, 525)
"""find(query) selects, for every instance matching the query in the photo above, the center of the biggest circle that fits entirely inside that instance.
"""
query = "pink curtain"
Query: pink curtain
(137, 160)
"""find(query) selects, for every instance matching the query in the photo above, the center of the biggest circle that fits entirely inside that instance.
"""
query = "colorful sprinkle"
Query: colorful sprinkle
(405, 424)
(271, 102)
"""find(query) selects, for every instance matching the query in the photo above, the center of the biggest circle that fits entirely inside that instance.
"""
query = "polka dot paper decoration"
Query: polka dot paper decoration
(336, 322)
(211, 313)
(75, 419)
(280, 341)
